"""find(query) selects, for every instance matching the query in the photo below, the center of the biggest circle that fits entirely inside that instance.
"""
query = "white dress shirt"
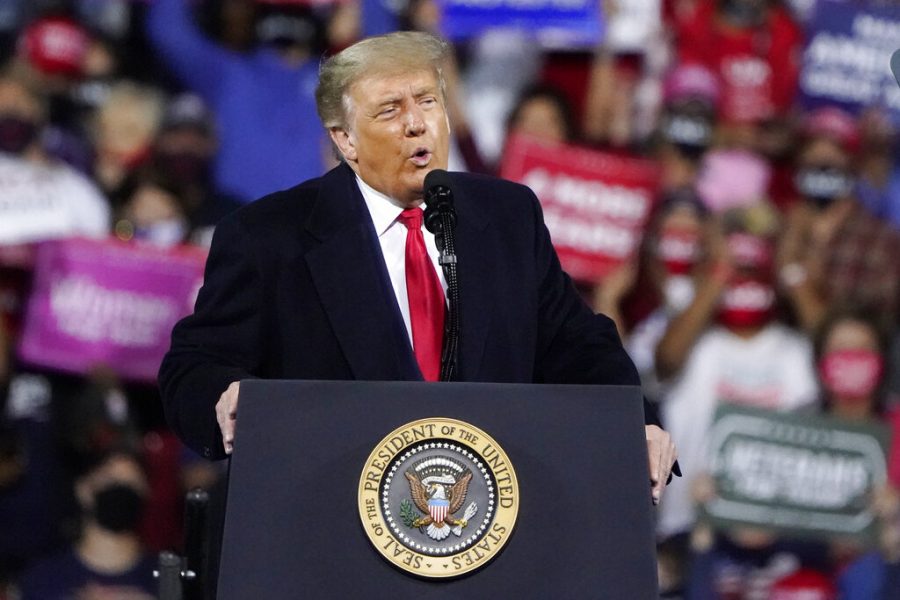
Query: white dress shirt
(392, 237)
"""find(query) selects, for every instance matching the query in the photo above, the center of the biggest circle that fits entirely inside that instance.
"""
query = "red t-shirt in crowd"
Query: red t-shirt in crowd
(758, 66)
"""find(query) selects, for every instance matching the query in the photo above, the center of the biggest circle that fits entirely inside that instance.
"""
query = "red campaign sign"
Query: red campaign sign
(595, 204)
(106, 302)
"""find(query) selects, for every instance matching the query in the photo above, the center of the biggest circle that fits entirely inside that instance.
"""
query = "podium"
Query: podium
(293, 528)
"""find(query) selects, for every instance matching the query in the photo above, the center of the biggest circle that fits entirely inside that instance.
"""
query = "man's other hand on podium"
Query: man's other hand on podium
(662, 455)
(226, 414)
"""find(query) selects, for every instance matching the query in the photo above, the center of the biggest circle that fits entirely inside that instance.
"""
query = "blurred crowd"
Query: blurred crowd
(767, 277)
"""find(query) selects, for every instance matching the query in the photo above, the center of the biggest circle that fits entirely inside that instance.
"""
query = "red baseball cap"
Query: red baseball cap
(691, 81)
(55, 46)
(834, 123)
(805, 584)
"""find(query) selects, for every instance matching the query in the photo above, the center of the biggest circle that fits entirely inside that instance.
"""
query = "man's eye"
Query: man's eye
(387, 112)
(429, 100)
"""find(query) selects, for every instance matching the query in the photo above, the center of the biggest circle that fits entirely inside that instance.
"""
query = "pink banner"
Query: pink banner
(595, 204)
(107, 303)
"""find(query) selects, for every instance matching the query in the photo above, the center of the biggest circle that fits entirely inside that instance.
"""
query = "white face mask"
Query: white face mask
(163, 233)
(823, 185)
(678, 292)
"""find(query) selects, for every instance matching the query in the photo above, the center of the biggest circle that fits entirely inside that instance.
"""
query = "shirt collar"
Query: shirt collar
(382, 208)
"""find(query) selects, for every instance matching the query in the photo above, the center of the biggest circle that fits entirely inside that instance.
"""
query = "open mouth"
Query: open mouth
(421, 157)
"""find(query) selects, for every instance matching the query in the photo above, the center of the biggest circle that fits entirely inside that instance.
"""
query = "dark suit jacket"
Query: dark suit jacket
(296, 288)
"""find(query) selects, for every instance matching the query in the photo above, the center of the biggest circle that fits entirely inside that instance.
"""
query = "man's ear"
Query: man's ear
(344, 142)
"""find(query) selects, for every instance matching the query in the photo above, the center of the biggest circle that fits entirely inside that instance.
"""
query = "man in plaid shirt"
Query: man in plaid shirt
(833, 252)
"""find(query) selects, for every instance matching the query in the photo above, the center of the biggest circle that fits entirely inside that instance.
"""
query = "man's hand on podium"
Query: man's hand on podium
(662, 455)
(226, 414)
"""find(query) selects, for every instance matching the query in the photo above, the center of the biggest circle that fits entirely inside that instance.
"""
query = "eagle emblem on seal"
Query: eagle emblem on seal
(438, 487)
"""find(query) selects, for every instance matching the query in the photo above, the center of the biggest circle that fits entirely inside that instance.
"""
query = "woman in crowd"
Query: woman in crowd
(108, 560)
(851, 346)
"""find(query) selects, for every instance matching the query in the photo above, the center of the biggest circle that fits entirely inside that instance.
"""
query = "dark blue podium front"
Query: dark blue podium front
(292, 525)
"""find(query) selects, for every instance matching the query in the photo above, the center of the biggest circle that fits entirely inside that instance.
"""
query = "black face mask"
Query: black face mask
(185, 168)
(823, 185)
(16, 134)
(118, 507)
(743, 13)
(692, 135)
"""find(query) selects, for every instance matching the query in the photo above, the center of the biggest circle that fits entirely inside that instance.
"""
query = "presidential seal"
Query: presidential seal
(438, 497)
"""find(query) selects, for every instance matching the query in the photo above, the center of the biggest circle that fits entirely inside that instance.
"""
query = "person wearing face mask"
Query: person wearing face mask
(108, 560)
(751, 45)
(40, 198)
(850, 348)
(665, 272)
(153, 213)
(183, 156)
(22, 115)
(833, 251)
(691, 95)
(727, 347)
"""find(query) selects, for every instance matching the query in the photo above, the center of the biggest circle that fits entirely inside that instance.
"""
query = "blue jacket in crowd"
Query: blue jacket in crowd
(269, 133)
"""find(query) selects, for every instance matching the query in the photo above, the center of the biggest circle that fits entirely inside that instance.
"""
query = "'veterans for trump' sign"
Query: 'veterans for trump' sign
(107, 303)
(595, 204)
(802, 474)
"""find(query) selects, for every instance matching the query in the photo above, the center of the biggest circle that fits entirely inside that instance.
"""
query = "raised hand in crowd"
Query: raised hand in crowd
(801, 261)
(686, 328)
(834, 252)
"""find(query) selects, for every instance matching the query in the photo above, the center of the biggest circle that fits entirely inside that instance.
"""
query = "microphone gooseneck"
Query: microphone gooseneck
(440, 219)
(895, 66)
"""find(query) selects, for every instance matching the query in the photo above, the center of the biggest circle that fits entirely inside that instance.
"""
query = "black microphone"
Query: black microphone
(440, 219)
(438, 201)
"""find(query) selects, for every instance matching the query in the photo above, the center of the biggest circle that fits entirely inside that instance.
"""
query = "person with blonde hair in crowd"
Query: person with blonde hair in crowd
(124, 128)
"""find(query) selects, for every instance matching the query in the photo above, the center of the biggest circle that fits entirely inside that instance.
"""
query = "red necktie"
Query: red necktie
(426, 298)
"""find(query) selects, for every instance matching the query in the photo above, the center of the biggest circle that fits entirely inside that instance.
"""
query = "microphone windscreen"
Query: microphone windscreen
(895, 67)
(437, 178)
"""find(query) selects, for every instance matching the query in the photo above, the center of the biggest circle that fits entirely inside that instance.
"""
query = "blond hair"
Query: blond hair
(398, 52)
(141, 105)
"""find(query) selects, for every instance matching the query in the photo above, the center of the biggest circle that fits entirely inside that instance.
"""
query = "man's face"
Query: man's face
(397, 131)
(541, 118)
(823, 152)
(15, 100)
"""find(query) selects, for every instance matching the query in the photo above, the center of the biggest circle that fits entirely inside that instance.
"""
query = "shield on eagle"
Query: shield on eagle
(437, 508)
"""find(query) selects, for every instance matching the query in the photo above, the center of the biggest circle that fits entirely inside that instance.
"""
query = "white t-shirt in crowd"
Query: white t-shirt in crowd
(43, 202)
(772, 370)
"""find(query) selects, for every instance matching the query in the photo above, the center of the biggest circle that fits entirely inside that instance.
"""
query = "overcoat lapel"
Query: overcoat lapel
(348, 271)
